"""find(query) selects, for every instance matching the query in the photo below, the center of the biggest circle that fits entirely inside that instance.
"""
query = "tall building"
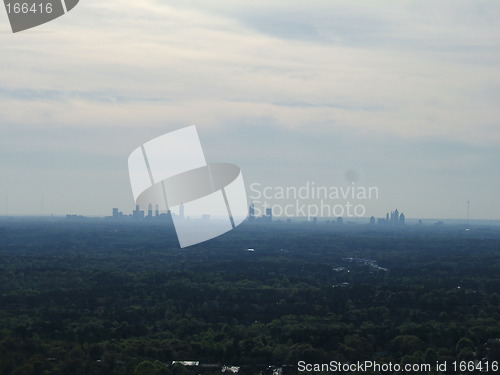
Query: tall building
(251, 212)
(137, 213)
(117, 213)
(395, 218)
(181, 211)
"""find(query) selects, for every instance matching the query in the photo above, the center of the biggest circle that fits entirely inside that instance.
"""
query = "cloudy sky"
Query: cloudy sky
(401, 95)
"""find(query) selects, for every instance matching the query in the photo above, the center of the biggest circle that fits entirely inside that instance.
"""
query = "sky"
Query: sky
(399, 95)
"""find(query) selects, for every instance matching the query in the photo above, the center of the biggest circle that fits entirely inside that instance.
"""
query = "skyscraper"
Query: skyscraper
(137, 213)
(181, 211)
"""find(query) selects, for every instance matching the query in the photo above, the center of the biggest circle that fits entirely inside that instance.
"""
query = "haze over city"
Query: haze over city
(398, 95)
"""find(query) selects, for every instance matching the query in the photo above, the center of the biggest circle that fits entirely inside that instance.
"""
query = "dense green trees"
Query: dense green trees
(113, 298)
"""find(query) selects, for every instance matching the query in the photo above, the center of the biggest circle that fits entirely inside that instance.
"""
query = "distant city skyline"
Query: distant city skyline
(390, 218)
(398, 95)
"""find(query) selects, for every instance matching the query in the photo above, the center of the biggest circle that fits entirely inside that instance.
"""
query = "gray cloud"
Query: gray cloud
(405, 93)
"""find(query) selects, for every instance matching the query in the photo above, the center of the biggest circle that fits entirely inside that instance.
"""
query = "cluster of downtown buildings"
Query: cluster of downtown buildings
(392, 218)
(395, 218)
